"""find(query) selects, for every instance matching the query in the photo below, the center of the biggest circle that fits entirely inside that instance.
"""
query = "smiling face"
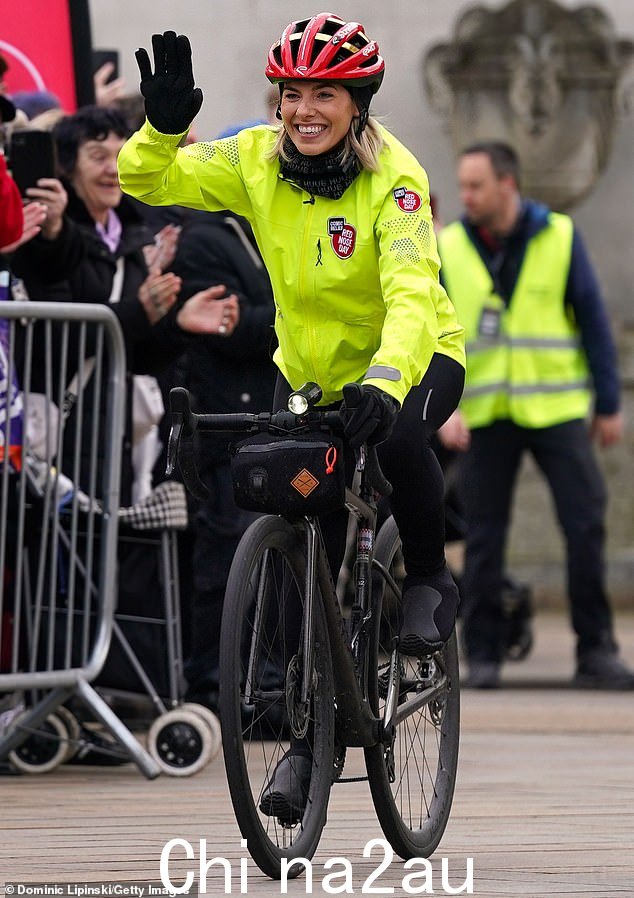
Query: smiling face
(317, 114)
(95, 177)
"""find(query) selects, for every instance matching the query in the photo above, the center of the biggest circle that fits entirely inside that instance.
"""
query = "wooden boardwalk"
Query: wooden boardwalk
(544, 803)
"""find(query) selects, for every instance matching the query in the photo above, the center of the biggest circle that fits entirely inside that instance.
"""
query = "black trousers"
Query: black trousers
(488, 475)
(409, 463)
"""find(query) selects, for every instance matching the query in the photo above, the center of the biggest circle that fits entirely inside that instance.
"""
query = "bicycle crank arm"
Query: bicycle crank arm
(406, 709)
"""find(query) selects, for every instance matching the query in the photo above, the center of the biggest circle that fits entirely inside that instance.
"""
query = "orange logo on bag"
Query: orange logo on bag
(304, 483)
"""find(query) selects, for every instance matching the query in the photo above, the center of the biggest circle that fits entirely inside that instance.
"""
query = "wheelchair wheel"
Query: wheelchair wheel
(212, 722)
(180, 742)
(412, 777)
(44, 749)
(74, 731)
(264, 719)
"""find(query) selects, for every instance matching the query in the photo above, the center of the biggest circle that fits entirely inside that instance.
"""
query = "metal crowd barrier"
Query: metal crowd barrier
(62, 402)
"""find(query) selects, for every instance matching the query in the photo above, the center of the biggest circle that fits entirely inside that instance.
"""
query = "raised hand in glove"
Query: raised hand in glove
(369, 414)
(171, 100)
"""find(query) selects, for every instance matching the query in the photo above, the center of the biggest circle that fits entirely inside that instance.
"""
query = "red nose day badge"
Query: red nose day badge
(407, 200)
(343, 237)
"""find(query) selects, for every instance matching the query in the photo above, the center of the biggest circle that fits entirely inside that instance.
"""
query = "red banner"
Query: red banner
(38, 39)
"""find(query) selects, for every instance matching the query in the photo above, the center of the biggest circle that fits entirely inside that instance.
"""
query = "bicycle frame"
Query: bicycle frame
(356, 724)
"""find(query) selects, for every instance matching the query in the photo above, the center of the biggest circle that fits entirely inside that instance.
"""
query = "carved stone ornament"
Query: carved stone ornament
(550, 81)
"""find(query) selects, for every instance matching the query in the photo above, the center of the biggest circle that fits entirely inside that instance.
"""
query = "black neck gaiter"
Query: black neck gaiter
(322, 175)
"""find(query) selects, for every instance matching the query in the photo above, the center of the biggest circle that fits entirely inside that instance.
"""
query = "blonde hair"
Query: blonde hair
(367, 148)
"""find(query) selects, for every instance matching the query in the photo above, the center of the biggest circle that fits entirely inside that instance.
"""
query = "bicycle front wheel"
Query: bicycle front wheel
(265, 717)
(412, 777)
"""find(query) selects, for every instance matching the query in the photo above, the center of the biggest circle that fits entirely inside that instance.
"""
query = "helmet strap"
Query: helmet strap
(362, 121)
(361, 97)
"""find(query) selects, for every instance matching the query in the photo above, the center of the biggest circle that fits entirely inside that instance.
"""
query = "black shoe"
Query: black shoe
(601, 668)
(96, 750)
(430, 605)
(286, 794)
(483, 675)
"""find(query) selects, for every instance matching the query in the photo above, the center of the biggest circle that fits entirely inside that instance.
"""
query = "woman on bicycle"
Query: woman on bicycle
(340, 210)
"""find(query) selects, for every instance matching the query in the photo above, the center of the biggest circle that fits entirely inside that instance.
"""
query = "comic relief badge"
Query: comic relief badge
(343, 237)
(407, 200)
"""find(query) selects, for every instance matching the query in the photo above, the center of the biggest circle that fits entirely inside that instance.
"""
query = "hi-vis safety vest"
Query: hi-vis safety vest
(525, 361)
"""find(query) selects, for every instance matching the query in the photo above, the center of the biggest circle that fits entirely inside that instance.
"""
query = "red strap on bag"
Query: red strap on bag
(331, 459)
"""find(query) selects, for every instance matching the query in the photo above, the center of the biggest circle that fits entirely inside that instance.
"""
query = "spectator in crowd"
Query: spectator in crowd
(16, 227)
(224, 375)
(90, 233)
(35, 102)
(537, 331)
(11, 214)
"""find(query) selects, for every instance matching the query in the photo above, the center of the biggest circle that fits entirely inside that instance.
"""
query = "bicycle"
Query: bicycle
(295, 674)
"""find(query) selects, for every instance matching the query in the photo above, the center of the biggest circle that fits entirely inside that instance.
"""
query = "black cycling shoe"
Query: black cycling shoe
(601, 668)
(430, 605)
(286, 794)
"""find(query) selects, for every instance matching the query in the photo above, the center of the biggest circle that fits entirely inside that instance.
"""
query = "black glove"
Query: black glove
(369, 415)
(171, 100)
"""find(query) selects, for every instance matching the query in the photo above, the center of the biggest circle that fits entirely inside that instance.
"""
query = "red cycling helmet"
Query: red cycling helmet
(325, 48)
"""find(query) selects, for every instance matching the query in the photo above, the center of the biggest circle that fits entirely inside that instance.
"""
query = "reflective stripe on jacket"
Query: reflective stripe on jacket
(524, 361)
(355, 280)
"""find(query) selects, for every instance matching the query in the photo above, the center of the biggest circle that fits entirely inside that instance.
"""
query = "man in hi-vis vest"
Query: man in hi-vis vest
(541, 363)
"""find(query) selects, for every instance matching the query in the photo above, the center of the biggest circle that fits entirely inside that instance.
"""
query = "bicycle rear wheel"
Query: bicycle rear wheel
(262, 714)
(412, 779)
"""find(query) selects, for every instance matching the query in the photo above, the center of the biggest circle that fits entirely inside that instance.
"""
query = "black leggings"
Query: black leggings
(409, 463)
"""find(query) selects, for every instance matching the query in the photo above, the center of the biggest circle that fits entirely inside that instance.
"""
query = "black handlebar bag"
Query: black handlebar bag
(291, 475)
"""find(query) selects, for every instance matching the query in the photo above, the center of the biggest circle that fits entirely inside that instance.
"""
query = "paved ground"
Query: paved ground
(544, 804)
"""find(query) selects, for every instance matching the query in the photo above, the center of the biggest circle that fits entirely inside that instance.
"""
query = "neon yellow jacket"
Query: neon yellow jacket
(531, 367)
(355, 280)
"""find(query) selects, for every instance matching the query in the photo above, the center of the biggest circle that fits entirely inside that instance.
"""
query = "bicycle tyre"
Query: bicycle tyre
(413, 810)
(270, 561)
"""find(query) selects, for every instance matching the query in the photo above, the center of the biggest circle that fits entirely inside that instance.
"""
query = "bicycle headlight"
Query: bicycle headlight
(297, 404)
(301, 400)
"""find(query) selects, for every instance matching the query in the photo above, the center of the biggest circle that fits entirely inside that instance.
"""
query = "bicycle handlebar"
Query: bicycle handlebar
(186, 422)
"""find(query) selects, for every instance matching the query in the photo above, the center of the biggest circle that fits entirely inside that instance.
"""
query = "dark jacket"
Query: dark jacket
(79, 267)
(583, 295)
(235, 373)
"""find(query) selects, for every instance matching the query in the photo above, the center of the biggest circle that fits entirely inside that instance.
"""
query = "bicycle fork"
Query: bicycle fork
(312, 540)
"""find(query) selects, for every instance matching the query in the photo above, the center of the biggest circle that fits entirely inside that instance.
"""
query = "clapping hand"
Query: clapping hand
(160, 254)
(34, 216)
(158, 293)
(206, 313)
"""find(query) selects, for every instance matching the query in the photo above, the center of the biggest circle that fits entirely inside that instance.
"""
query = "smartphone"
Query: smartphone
(31, 157)
(101, 57)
